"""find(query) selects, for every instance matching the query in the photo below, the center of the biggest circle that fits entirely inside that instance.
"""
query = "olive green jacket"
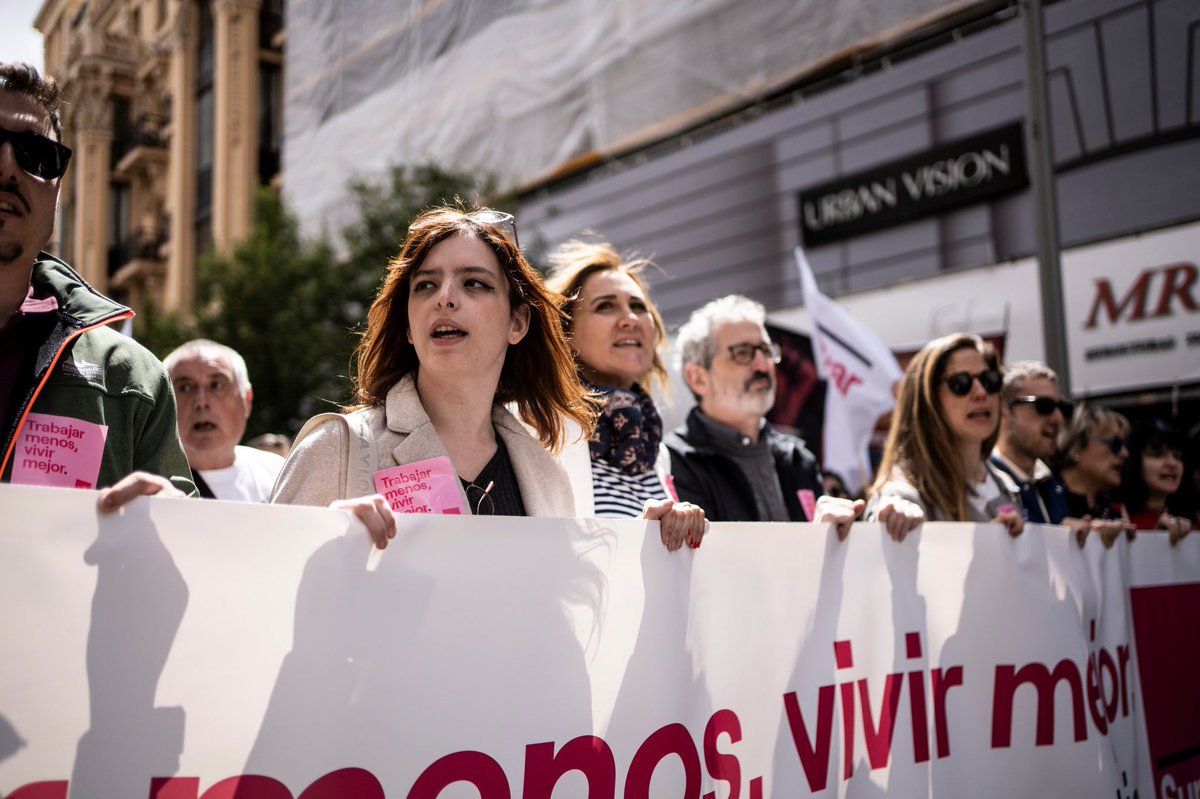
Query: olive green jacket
(85, 370)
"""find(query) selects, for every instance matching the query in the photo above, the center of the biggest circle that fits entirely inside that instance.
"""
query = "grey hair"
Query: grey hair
(1018, 372)
(1086, 419)
(199, 346)
(695, 341)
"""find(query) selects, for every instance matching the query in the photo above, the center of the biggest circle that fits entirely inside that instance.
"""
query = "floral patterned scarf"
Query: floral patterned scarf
(629, 431)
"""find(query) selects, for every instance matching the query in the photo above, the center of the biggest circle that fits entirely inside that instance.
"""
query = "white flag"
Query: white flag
(860, 371)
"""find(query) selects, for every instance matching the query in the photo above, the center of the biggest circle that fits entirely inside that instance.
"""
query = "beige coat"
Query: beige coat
(319, 469)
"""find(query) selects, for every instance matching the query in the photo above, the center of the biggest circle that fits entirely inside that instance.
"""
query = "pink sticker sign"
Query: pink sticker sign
(428, 486)
(58, 451)
(808, 501)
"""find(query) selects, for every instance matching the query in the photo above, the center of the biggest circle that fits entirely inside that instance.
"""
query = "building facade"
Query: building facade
(174, 112)
(903, 171)
(520, 90)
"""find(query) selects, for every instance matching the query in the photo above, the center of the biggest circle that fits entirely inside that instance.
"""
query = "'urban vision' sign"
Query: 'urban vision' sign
(956, 174)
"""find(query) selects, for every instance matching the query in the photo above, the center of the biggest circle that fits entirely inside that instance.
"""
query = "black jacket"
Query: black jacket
(706, 477)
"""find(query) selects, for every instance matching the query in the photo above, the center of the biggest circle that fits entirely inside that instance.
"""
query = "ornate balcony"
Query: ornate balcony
(142, 144)
(136, 257)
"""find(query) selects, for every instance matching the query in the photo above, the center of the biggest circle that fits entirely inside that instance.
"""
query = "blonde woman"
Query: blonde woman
(617, 336)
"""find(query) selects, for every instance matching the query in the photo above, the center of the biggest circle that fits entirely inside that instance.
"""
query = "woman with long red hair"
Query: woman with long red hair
(461, 328)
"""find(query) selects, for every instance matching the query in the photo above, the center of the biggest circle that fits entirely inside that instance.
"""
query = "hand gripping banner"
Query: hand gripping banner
(210, 650)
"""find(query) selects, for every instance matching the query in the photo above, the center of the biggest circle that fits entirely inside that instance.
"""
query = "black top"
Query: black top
(708, 478)
(1105, 508)
(503, 497)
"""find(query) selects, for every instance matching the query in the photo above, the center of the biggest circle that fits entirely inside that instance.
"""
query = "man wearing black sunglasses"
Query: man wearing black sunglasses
(1032, 412)
(80, 405)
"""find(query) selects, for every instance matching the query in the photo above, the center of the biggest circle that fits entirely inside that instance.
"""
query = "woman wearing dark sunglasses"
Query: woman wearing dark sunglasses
(943, 429)
(1151, 480)
(462, 326)
(617, 335)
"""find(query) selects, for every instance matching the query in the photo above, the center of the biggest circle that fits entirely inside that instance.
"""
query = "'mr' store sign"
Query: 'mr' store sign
(960, 173)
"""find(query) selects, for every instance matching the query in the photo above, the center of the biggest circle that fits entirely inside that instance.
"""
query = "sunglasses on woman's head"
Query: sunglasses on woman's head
(39, 156)
(1044, 406)
(506, 222)
(1115, 443)
(959, 383)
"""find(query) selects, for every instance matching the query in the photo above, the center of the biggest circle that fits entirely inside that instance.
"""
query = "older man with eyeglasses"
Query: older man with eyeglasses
(727, 458)
(1032, 413)
(81, 406)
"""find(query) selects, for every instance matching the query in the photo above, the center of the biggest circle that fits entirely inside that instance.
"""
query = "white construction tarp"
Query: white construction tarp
(517, 88)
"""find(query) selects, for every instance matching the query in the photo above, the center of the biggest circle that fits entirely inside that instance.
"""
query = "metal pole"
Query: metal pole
(1045, 198)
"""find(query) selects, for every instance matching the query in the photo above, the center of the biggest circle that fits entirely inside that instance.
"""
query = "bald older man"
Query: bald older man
(212, 387)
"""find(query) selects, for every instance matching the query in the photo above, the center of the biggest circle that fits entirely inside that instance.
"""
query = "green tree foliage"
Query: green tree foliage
(386, 207)
(160, 332)
(291, 306)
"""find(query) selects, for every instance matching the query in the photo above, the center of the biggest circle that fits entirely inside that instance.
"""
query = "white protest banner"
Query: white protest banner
(860, 371)
(1164, 610)
(187, 649)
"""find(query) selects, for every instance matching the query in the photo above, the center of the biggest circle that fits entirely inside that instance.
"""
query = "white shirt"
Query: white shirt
(988, 498)
(249, 479)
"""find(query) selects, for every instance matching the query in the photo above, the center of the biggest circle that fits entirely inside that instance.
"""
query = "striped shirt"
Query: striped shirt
(620, 495)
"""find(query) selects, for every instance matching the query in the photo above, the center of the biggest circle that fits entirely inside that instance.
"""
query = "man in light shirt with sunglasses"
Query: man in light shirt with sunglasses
(81, 406)
(726, 458)
(1032, 413)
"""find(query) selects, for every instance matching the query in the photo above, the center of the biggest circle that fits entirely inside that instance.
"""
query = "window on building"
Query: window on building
(270, 120)
(203, 236)
(204, 126)
(204, 43)
(66, 233)
(270, 23)
(122, 119)
(120, 215)
(204, 151)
